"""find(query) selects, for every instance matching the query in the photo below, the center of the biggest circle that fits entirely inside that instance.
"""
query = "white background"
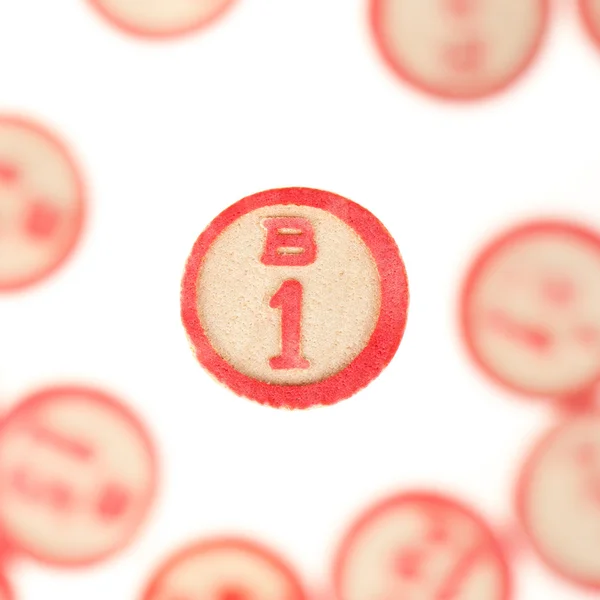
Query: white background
(283, 93)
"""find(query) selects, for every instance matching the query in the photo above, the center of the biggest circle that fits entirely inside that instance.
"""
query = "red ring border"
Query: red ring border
(414, 82)
(31, 403)
(384, 340)
(6, 587)
(79, 218)
(488, 251)
(589, 24)
(421, 496)
(219, 543)
(164, 34)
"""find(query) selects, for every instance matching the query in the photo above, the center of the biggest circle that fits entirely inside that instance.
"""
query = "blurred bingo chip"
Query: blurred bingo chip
(531, 309)
(559, 499)
(459, 49)
(421, 545)
(41, 203)
(224, 569)
(161, 18)
(77, 476)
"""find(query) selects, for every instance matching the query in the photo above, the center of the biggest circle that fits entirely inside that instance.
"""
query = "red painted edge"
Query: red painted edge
(532, 227)
(588, 21)
(384, 341)
(220, 543)
(520, 496)
(425, 497)
(31, 404)
(376, 7)
(63, 150)
(5, 587)
(162, 34)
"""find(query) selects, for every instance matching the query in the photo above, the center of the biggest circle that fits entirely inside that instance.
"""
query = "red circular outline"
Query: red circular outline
(6, 587)
(428, 497)
(433, 90)
(164, 34)
(80, 208)
(488, 251)
(208, 545)
(588, 21)
(539, 448)
(384, 340)
(31, 403)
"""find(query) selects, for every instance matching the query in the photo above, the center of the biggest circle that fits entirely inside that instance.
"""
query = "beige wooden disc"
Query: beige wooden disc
(224, 572)
(161, 16)
(459, 47)
(560, 499)
(40, 204)
(419, 551)
(76, 478)
(341, 297)
(534, 313)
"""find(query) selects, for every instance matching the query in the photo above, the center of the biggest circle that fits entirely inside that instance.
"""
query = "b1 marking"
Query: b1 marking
(558, 499)
(161, 18)
(295, 297)
(464, 49)
(225, 569)
(421, 545)
(77, 476)
(530, 309)
(41, 203)
(290, 243)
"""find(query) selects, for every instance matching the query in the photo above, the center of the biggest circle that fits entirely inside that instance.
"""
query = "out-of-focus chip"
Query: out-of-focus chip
(225, 569)
(77, 476)
(558, 499)
(459, 49)
(41, 203)
(421, 546)
(531, 309)
(161, 18)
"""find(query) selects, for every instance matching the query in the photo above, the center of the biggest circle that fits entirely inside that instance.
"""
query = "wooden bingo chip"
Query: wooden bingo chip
(225, 569)
(41, 203)
(459, 49)
(558, 499)
(77, 476)
(422, 546)
(590, 12)
(295, 297)
(161, 18)
(531, 309)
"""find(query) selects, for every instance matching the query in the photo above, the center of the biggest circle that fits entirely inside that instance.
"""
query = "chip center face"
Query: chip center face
(533, 313)
(417, 548)
(560, 499)
(76, 478)
(460, 48)
(249, 309)
(40, 204)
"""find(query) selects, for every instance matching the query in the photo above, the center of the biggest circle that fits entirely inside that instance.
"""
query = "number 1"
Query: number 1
(289, 299)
